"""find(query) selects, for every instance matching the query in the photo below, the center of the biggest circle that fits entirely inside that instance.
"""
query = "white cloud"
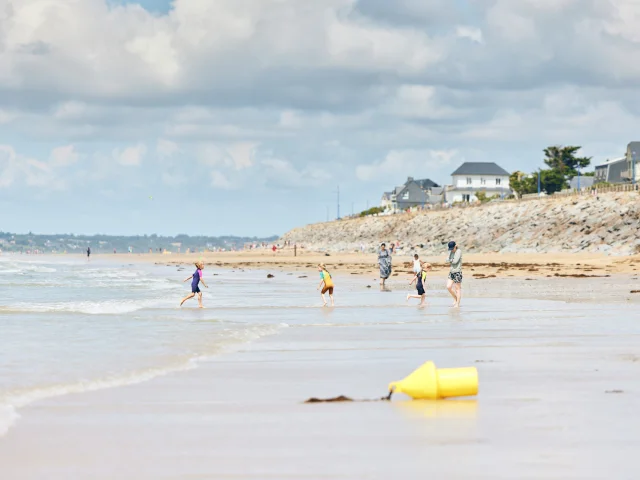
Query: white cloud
(70, 110)
(285, 94)
(19, 169)
(173, 179)
(166, 148)
(6, 116)
(242, 154)
(289, 119)
(472, 33)
(130, 156)
(278, 172)
(398, 163)
(213, 155)
(64, 156)
(220, 180)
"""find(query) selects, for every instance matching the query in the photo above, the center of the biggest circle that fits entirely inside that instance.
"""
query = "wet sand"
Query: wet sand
(479, 265)
(559, 387)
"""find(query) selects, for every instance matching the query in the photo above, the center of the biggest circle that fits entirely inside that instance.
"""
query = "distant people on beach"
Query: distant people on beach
(420, 278)
(384, 261)
(326, 283)
(196, 280)
(88, 253)
(454, 282)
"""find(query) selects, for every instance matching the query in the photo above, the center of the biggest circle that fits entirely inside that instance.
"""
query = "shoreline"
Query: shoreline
(491, 265)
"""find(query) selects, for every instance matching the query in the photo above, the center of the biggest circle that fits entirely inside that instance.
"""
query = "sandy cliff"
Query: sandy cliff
(609, 223)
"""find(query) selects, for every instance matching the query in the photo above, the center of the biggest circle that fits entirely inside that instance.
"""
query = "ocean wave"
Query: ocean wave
(108, 307)
(8, 416)
(39, 269)
(12, 400)
(9, 271)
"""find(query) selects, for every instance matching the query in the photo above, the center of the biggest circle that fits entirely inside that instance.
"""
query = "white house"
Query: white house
(473, 177)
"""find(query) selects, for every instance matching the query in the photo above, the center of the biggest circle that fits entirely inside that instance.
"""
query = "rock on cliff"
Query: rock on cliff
(609, 223)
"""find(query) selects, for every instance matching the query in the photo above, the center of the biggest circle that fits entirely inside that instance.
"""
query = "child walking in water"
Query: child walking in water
(195, 288)
(421, 280)
(325, 278)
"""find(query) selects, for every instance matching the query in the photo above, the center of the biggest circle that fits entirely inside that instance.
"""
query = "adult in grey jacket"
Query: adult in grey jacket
(454, 282)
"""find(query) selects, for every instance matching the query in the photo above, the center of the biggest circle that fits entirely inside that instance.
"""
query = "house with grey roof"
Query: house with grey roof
(612, 171)
(621, 170)
(473, 177)
(413, 193)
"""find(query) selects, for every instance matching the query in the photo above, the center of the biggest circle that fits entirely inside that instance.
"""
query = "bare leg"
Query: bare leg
(412, 296)
(191, 295)
(423, 297)
(452, 292)
(324, 302)
(331, 297)
(200, 300)
(459, 294)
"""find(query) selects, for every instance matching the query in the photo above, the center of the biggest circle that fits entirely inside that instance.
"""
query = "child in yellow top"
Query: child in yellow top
(325, 278)
(421, 281)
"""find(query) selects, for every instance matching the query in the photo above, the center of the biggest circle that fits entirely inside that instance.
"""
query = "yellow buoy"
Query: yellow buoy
(431, 383)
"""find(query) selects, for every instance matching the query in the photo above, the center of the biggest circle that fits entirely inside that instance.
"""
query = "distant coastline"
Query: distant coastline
(69, 243)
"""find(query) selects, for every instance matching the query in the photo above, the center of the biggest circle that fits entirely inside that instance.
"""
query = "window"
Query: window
(405, 196)
(483, 181)
(468, 180)
(497, 181)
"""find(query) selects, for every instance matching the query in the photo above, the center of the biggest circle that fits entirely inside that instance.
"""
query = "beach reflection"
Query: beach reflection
(415, 409)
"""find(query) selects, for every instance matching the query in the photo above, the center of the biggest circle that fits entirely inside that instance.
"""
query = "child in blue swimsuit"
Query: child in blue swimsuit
(196, 279)
(421, 282)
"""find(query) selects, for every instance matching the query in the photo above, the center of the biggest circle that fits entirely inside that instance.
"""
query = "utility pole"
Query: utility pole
(578, 178)
(633, 168)
(538, 182)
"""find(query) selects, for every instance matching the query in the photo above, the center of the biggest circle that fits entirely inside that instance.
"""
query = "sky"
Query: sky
(214, 117)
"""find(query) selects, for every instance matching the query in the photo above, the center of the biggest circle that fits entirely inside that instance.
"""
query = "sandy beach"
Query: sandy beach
(480, 265)
(557, 361)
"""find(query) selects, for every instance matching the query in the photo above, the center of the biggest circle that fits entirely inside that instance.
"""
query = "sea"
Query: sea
(68, 325)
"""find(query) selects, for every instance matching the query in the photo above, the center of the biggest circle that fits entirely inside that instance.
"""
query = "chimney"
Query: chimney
(409, 179)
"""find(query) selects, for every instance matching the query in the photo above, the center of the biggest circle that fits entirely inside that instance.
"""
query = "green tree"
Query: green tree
(482, 197)
(522, 183)
(371, 211)
(564, 159)
(553, 181)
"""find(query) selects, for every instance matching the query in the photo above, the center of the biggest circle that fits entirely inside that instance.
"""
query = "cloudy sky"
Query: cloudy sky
(243, 116)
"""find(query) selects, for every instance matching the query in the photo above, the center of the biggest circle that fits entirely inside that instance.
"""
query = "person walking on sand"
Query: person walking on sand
(88, 253)
(454, 282)
(196, 279)
(421, 282)
(384, 261)
(327, 281)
